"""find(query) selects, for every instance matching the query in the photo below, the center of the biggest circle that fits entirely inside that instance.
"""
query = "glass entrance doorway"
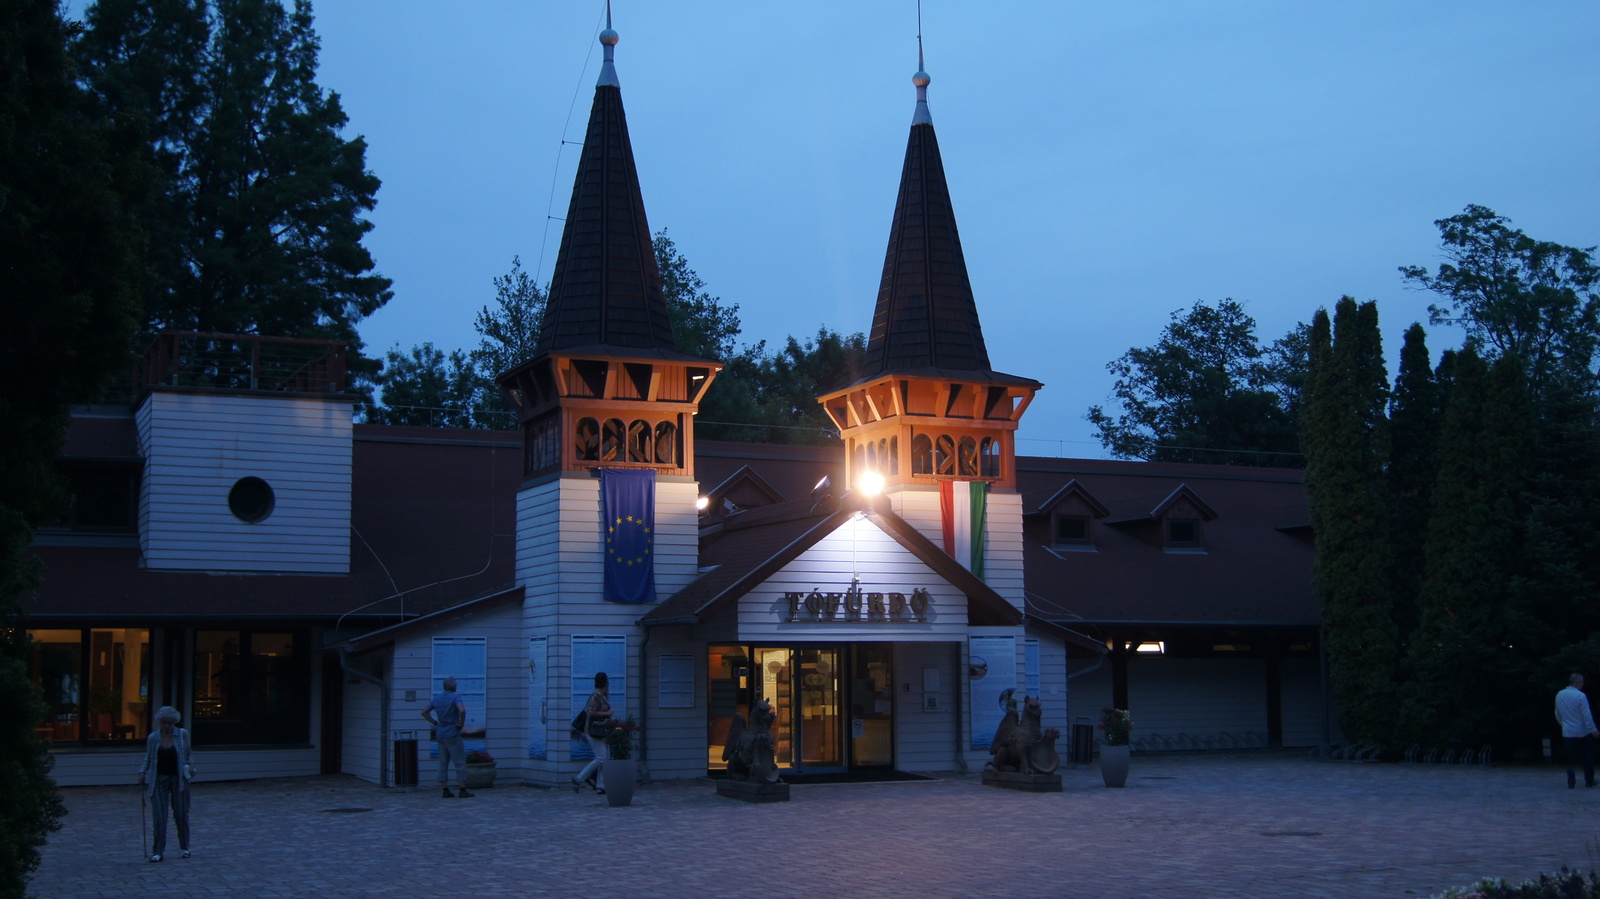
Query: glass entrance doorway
(834, 704)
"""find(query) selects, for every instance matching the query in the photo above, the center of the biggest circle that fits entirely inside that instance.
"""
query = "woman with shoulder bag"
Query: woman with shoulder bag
(597, 717)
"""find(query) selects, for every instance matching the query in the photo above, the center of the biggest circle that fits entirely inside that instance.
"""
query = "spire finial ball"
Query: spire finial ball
(609, 38)
(920, 79)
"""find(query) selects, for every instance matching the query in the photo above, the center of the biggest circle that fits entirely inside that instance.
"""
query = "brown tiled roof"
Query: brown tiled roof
(1253, 571)
(606, 288)
(926, 322)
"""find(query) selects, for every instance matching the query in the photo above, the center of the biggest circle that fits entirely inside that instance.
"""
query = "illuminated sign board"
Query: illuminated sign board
(856, 606)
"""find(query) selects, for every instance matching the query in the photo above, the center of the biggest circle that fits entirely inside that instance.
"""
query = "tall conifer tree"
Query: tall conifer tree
(258, 224)
(1413, 426)
(1345, 441)
(1467, 683)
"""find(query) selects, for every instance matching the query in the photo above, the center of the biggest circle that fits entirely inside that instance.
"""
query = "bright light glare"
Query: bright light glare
(871, 483)
(702, 502)
(1150, 647)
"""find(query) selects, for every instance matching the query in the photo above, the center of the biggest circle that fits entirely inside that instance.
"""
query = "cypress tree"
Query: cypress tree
(1345, 442)
(1413, 423)
(1468, 684)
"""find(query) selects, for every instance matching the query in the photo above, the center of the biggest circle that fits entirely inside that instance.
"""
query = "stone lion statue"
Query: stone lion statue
(1020, 744)
(749, 750)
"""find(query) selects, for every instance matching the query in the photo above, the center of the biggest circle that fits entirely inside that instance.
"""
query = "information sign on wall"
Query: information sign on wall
(466, 660)
(592, 654)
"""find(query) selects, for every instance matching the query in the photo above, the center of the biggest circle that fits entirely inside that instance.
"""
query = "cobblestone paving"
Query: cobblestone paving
(1243, 825)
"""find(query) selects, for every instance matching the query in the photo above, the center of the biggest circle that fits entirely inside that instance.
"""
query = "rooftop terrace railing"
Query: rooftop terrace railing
(244, 362)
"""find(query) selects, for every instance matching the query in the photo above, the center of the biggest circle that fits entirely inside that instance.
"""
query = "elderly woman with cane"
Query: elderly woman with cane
(167, 771)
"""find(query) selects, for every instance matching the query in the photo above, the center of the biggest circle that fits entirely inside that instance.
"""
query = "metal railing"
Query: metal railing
(244, 362)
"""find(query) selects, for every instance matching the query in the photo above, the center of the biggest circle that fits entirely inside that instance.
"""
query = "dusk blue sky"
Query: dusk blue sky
(1109, 163)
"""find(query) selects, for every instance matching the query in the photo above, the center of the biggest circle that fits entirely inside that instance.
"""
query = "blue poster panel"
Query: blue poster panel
(591, 654)
(991, 673)
(538, 698)
(466, 660)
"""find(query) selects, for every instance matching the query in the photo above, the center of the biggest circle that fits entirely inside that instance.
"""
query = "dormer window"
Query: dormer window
(1072, 530)
(1183, 533)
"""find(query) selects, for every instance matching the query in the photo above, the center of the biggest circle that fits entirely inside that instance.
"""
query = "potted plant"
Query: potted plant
(618, 773)
(480, 769)
(1115, 727)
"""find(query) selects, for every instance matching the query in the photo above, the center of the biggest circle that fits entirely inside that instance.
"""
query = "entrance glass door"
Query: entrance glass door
(807, 687)
(821, 743)
(871, 707)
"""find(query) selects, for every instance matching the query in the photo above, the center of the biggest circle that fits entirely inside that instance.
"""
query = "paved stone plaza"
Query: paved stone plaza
(1241, 825)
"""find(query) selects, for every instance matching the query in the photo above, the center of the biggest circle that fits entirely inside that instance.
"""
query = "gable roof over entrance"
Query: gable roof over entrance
(744, 556)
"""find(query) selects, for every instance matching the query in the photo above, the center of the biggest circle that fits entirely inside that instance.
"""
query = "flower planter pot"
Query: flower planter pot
(1114, 765)
(617, 776)
(480, 775)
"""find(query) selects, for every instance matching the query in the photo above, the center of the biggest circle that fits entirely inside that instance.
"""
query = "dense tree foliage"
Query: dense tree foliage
(1207, 391)
(67, 250)
(768, 397)
(430, 388)
(1490, 488)
(1515, 296)
(1346, 438)
(762, 396)
(257, 223)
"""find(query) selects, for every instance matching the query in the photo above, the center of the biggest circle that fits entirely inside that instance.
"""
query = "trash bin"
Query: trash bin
(1082, 743)
(405, 759)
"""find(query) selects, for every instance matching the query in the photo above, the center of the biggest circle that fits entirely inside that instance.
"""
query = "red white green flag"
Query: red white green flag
(961, 509)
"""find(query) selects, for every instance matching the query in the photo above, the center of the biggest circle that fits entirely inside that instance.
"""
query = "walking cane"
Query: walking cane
(144, 838)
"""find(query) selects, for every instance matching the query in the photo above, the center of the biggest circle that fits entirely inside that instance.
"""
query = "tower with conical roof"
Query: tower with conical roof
(606, 389)
(928, 406)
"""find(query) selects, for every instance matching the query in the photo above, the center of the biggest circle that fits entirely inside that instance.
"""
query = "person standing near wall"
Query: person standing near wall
(1577, 727)
(166, 773)
(597, 713)
(452, 716)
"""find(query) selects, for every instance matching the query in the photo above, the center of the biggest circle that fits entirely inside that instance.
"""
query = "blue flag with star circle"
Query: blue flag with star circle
(628, 504)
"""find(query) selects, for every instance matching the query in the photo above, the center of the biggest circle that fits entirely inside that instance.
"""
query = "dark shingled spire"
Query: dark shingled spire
(605, 294)
(926, 317)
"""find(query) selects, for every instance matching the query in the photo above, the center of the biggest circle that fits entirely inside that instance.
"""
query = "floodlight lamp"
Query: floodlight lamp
(701, 503)
(870, 483)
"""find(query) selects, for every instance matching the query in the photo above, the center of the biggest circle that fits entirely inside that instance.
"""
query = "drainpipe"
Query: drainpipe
(956, 694)
(383, 712)
(642, 765)
(1095, 667)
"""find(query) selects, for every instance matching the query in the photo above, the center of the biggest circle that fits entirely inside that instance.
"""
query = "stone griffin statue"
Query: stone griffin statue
(749, 749)
(1019, 744)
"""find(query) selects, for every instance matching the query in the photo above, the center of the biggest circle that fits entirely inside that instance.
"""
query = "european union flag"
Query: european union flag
(628, 502)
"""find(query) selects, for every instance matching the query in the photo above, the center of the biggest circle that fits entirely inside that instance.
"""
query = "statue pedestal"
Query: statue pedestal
(749, 791)
(1027, 783)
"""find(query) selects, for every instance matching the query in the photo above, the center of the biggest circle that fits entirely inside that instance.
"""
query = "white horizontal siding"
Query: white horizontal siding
(1302, 705)
(361, 747)
(197, 446)
(927, 741)
(1198, 697)
(858, 546)
(677, 736)
(1002, 556)
(505, 714)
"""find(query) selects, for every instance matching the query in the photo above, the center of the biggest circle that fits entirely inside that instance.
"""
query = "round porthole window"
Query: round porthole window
(251, 499)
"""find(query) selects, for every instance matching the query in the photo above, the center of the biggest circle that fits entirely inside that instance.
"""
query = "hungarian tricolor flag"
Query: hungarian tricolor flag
(628, 507)
(961, 508)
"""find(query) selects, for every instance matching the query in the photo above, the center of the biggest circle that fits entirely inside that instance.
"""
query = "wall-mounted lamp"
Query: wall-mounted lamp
(870, 483)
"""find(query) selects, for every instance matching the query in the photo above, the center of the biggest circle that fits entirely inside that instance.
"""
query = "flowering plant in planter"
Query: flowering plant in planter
(479, 757)
(1116, 724)
(619, 739)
